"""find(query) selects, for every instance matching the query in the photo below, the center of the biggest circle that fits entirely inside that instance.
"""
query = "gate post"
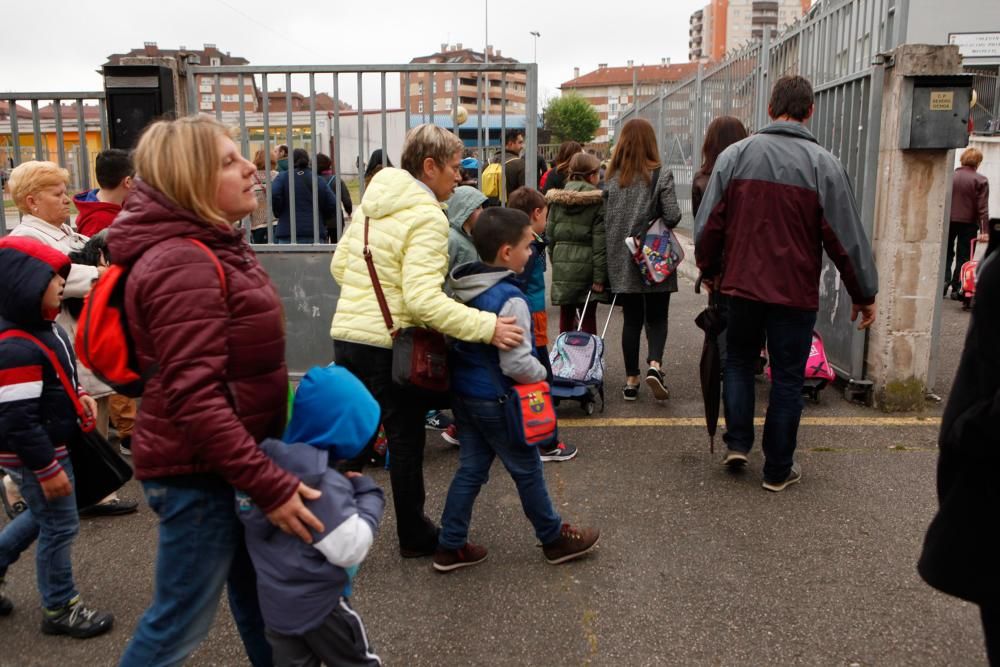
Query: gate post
(912, 195)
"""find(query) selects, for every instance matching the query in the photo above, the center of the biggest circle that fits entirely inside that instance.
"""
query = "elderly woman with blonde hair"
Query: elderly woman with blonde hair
(402, 221)
(208, 329)
(40, 193)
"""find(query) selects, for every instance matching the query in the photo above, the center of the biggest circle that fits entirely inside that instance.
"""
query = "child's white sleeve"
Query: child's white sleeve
(348, 543)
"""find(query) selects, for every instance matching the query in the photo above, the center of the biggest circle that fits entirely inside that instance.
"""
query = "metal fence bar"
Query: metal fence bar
(479, 126)
(531, 128)
(336, 151)
(60, 146)
(455, 105)
(218, 98)
(268, 167)
(15, 134)
(290, 142)
(312, 156)
(36, 128)
(82, 154)
(361, 137)
(503, 141)
(406, 97)
(244, 148)
(385, 133)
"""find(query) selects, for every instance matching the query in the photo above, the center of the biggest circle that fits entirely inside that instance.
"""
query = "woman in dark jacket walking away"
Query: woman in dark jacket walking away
(557, 176)
(629, 186)
(281, 202)
(216, 348)
(960, 553)
(576, 240)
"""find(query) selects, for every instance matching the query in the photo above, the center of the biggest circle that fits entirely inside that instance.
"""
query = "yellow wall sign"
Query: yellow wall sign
(942, 101)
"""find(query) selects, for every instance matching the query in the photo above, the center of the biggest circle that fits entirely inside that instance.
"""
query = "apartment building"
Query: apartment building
(724, 25)
(610, 89)
(438, 90)
(210, 55)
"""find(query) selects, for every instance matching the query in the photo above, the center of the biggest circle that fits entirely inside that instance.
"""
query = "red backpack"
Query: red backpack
(103, 343)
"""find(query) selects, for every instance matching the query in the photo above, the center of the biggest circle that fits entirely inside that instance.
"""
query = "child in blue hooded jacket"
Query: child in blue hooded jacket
(304, 588)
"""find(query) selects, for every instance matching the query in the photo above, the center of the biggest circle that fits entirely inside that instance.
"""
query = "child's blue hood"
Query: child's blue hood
(333, 410)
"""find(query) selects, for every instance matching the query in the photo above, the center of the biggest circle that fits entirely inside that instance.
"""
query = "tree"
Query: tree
(571, 118)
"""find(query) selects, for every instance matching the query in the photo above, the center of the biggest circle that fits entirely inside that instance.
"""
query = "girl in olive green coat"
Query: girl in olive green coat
(576, 240)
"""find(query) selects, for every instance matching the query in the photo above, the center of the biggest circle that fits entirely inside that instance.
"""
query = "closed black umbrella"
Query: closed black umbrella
(712, 322)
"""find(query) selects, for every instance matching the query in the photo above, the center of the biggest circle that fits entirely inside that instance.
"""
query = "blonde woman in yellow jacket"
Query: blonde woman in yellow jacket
(408, 239)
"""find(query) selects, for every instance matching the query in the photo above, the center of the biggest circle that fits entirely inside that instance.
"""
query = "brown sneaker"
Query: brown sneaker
(446, 560)
(571, 543)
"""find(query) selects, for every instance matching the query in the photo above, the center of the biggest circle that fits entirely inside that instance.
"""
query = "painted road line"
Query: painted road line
(632, 422)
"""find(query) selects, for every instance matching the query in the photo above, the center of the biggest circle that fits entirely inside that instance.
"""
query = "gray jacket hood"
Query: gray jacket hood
(462, 203)
(467, 281)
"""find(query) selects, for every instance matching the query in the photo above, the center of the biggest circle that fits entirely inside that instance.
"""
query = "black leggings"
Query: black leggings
(649, 309)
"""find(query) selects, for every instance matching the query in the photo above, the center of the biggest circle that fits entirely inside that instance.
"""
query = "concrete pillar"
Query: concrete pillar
(912, 195)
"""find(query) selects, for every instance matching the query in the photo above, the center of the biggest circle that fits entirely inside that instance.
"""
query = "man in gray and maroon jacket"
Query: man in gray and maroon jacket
(774, 202)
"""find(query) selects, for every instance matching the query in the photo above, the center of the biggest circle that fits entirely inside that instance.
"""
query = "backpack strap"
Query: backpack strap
(87, 422)
(218, 265)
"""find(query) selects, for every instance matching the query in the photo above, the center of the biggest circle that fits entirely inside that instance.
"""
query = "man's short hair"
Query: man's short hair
(113, 166)
(428, 141)
(512, 136)
(791, 96)
(526, 199)
(971, 157)
(496, 228)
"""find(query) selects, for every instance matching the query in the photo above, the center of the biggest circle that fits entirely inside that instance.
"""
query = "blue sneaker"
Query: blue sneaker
(437, 420)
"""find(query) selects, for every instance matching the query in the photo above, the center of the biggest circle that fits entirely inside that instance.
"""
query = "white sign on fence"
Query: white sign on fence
(976, 44)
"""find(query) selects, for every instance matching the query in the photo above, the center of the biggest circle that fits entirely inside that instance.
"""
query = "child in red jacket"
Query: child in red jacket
(99, 207)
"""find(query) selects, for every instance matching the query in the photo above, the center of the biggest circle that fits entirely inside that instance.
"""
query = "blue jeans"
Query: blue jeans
(55, 524)
(201, 547)
(482, 432)
(789, 336)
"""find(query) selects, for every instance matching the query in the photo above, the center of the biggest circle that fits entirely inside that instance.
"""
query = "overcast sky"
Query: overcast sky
(60, 51)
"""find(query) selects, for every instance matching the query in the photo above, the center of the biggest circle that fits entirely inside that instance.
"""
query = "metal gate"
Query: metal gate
(244, 97)
(70, 135)
(301, 271)
(836, 46)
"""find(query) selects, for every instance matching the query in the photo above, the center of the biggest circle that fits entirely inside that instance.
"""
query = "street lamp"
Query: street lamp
(536, 35)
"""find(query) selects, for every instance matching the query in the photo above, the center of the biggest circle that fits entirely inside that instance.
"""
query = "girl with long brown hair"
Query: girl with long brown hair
(630, 191)
(722, 133)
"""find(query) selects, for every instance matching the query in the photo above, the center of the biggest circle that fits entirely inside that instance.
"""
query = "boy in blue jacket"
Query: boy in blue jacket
(37, 421)
(503, 240)
(304, 588)
(532, 281)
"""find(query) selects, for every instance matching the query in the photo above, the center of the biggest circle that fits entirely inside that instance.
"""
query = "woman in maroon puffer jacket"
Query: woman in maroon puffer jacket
(219, 386)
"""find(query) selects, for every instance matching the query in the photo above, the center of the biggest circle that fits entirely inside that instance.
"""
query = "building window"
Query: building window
(420, 88)
(206, 99)
(206, 106)
(215, 62)
(447, 85)
(434, 87)
(447, 103)
(420, 106)
(205, 87)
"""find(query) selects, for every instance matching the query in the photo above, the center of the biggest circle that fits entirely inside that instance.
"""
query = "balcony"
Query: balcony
(765, 7)
(763, 20)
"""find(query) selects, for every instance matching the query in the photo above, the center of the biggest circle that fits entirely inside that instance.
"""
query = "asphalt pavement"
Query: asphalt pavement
(695, 566)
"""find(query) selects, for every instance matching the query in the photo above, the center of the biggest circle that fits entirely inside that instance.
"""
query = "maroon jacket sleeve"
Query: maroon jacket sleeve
(187, 319)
